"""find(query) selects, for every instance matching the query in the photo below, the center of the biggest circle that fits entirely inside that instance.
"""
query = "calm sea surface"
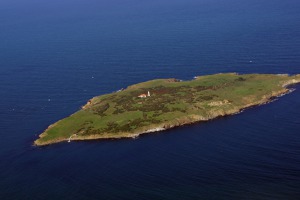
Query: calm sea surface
(55, 55)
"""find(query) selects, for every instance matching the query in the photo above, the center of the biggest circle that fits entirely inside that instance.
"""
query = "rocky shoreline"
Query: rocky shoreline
(189, 119)
(172, 123)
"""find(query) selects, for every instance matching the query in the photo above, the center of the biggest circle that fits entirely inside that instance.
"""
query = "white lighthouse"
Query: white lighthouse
(149, 94)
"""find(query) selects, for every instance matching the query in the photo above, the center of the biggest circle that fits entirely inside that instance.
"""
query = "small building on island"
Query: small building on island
(144, 95)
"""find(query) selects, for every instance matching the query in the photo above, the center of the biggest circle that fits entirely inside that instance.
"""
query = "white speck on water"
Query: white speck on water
(250, 61)
(92, 77)
(49, 99)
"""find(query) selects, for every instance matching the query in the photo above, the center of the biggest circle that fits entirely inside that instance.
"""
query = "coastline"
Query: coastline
(186, 120)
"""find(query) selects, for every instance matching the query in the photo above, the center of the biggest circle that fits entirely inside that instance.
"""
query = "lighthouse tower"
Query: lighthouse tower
(149, 94)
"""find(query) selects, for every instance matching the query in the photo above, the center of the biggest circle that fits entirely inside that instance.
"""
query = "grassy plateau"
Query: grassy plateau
(171, 103)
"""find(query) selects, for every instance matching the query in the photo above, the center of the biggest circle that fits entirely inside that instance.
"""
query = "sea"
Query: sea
(57, 54)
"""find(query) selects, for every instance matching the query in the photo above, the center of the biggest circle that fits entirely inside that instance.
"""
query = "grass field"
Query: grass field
(124, 114)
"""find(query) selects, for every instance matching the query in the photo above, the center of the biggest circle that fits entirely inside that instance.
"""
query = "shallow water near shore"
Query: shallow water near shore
(56, 55)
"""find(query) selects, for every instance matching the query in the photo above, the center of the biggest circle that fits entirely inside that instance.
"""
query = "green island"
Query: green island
(162, 104)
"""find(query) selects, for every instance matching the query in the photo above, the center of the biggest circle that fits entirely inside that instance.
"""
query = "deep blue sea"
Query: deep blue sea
(57, 54)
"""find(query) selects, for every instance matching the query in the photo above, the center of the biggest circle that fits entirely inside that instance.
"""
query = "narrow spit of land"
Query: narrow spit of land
(166, 103)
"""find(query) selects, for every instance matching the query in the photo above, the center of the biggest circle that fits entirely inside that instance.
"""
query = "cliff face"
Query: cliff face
(172, 103)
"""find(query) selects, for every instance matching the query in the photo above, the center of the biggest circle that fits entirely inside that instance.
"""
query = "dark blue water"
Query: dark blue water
(55, 55)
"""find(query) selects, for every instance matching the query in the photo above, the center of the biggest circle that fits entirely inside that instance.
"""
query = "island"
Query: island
(162, 104)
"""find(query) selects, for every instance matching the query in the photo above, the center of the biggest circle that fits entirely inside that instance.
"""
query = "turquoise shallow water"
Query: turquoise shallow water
(55, 55)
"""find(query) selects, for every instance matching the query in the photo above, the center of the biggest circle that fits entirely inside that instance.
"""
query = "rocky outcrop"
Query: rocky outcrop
(219, 103)
(88, 104)
(291, 82)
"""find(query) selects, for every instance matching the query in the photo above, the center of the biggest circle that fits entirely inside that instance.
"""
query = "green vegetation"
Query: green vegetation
(171, 103)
